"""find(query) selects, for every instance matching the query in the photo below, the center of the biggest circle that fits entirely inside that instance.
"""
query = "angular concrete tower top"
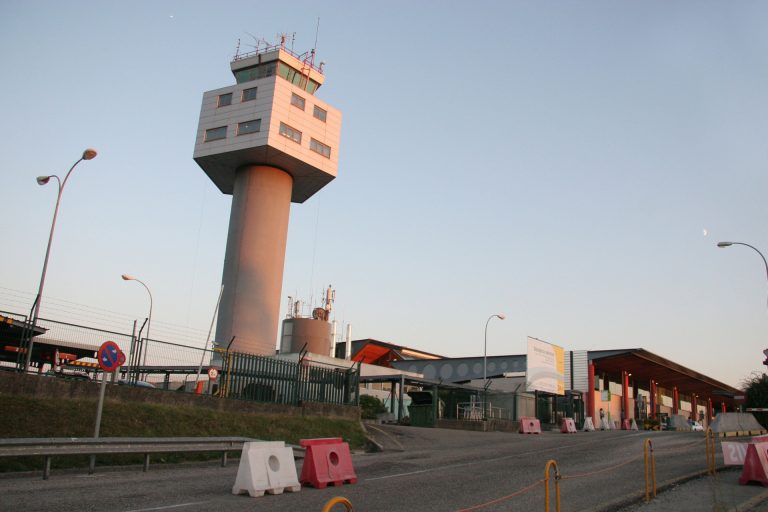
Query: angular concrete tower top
(270, 117)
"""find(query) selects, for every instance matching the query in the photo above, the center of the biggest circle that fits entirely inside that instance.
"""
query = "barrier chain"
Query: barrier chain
(649, 459)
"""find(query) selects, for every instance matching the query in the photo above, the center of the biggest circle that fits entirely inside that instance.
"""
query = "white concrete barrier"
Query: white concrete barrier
(266, 467)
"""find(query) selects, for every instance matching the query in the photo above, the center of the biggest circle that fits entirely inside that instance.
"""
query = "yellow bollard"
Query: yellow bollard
(338, 500)
(648, 452)
(709, 440)
(551, 463)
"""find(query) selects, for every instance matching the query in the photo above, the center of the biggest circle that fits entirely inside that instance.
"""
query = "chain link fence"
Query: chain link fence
(70, 350)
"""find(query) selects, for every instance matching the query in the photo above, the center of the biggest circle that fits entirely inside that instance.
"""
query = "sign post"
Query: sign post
(110, 359)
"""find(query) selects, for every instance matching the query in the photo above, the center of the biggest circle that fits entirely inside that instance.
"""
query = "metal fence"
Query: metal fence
(266, 379)
(177, 367)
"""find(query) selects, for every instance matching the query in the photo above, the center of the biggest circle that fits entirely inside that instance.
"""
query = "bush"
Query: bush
(370, 406)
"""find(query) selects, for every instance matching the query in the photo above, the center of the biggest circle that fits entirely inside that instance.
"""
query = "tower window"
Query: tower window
(319, 113)
(256, 72)
(291, 133)
(297, 101)
(319, 147)
(215, 133)
(249, 127)
(225, 99)
(249, 94)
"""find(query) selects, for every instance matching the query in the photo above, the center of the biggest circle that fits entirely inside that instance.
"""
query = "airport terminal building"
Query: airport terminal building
(629, 384)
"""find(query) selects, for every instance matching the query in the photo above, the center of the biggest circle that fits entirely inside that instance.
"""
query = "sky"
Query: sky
(569, 164)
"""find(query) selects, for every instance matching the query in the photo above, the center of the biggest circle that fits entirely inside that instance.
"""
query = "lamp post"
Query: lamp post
(88, 154)
(500, 316)
(728, 244)
(127, 277)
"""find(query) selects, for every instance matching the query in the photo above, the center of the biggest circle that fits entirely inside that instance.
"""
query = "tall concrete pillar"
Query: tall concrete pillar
(254, 259)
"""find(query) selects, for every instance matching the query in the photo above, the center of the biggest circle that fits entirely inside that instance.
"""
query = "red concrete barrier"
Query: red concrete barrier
(326, 461)
(626, 424)
(755, 464)
(569, 427)
(530, 426)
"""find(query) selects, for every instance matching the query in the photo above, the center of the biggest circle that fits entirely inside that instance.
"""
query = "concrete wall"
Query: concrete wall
(12, 383)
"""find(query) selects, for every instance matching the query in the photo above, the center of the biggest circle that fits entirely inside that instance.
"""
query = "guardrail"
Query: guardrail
(50, 447)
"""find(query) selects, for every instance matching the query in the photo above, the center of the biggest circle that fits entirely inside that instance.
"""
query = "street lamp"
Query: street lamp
(500, 316)
(728, 244)
(88, 154)
(127, 277)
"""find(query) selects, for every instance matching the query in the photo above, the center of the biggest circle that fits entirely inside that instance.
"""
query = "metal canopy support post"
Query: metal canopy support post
(435, 405)
(400, 399)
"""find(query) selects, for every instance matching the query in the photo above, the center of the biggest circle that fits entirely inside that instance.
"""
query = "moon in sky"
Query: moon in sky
(704, 231)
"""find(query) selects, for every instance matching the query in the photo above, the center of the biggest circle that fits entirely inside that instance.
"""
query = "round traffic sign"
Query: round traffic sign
(213, 373)
(110, 356)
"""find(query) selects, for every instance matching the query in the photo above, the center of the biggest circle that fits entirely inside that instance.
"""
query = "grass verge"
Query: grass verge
(46, 417)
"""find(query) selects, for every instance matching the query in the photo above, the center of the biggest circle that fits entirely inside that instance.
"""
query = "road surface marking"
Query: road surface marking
(167, 507)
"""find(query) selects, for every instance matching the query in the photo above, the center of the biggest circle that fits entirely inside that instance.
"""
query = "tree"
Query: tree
(756, 389)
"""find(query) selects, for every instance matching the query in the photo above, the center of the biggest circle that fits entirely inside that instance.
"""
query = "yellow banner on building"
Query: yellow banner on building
(545, 367)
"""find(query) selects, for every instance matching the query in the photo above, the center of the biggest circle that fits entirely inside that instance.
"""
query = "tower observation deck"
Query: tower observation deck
(267, 141)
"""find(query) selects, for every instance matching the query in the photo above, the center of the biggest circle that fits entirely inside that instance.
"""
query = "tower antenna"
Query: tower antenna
(317, 31)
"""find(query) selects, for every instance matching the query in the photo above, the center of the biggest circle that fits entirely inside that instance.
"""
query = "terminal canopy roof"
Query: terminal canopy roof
(646, 366)
(381, 353)
(12, 331)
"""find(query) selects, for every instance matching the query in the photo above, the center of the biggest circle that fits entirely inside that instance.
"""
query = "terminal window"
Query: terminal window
(291, 133)
(249, 94)
(215, 133)
(319, 147)
(249, 127)
(297, 101)
(225, 99)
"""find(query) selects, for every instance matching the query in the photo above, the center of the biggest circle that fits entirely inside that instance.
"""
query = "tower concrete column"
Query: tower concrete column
(254, 259)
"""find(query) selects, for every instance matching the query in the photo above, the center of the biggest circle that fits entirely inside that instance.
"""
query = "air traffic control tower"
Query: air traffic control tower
(267, 141)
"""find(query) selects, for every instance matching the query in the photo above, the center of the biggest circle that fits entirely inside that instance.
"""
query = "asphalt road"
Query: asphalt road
(421, 469)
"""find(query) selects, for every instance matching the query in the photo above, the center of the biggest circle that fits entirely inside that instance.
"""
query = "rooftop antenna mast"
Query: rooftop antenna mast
(314, 48)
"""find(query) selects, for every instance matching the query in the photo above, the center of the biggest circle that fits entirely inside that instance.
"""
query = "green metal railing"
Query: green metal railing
(266, 379)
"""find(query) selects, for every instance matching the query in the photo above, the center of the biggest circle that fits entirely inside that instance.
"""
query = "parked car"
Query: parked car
(138, 384)
(696, 426)
(68, 374)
